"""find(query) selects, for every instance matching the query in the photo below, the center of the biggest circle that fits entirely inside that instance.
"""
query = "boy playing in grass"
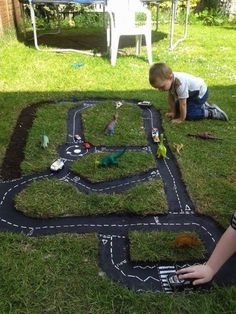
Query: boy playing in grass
(187, 95)
(222, 252)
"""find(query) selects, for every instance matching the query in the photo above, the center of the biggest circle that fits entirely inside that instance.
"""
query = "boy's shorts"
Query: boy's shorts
(195, 110)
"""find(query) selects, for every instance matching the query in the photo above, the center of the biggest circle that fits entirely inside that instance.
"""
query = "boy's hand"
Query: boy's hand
(200, 273)
(177, 121)
(170, 115)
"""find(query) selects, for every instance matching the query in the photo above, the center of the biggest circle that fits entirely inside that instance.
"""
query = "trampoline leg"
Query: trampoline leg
(173, 16)
(33, 22)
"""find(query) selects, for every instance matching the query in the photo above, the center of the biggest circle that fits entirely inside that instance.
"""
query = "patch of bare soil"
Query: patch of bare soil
(15, 150)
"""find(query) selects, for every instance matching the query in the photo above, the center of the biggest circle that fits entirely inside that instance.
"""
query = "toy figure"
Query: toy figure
(161, 150)
(185, 240)
(204, 136)
(111, 160)
(44, 141)
(110, 127)
(178, 147)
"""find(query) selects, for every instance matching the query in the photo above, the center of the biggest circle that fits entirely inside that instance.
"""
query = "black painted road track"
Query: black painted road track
(113, 229)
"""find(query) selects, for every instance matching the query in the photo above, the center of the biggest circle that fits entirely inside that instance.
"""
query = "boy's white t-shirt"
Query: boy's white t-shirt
(185, 84)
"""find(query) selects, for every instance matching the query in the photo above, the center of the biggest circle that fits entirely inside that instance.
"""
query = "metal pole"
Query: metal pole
(172, 27)
(33, 22)
(187, 10)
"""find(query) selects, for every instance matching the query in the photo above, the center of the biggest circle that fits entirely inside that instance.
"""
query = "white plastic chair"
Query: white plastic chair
(123, 21)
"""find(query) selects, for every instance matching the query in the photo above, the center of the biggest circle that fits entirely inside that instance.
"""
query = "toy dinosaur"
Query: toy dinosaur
(204, 136)
(44, 141)
(110, 127)
(184, 240)
(161, 150)
(111, 160)
(178, 147)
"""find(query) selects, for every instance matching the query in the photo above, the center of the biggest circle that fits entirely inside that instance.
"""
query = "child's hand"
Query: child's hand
(177, 121)
(200, 273)
(170, 115)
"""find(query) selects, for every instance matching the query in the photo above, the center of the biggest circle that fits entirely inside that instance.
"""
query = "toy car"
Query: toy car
(77, 137)
(177, 283)
(144, 103)
(86, 145)
(155, 135)
(57, 165)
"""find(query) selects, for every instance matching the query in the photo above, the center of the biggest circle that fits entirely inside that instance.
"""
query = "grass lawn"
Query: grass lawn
(162, 246)
(60, 274)
(128, 131)
(68, 201)
(128, 164)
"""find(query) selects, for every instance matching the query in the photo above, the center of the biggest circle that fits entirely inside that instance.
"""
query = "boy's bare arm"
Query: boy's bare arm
(182, 111)
(172, 113)
(224, 249)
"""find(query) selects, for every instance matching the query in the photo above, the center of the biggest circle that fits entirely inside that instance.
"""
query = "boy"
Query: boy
(187, 95)
(222, 252)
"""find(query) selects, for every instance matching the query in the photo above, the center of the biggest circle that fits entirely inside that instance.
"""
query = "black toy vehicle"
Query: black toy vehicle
(179, 284)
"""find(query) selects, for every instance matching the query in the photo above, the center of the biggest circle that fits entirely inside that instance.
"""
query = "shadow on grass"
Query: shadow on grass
(81, 39)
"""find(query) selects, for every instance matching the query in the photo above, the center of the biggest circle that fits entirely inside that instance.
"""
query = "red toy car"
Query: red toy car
(86, 145)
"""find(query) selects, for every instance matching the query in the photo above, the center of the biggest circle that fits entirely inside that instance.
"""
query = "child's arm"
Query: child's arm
(182, 111)
(222, 252)
(172, 113)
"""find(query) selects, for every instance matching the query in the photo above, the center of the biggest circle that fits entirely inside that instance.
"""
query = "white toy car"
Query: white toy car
(57, 165)
(144, 103)
(77, 138)
(155, 135)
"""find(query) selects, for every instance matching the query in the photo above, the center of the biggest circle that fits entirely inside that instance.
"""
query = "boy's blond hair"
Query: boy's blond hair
(159, 71)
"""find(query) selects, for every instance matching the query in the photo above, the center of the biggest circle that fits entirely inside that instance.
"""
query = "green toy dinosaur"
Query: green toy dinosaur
(161, 150)
(44, 141)
(111, 160)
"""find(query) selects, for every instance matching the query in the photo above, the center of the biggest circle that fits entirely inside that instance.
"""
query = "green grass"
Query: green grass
(128, 131)
(60, 274)
(160, 246)
(211, 170)
(129, 163)
(31, 282)
(52, 121)
(67, 200)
